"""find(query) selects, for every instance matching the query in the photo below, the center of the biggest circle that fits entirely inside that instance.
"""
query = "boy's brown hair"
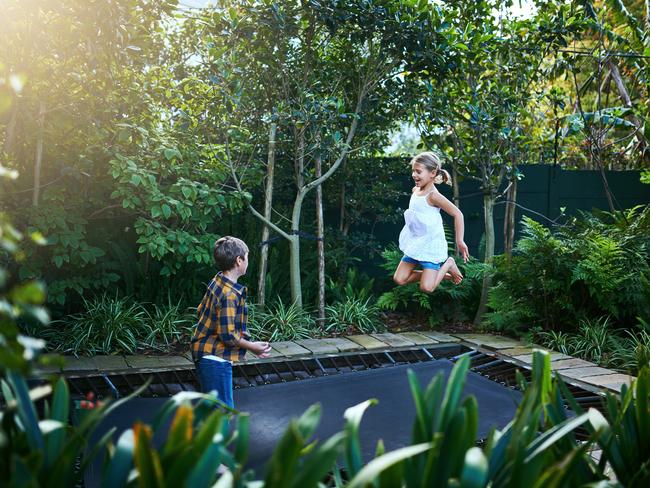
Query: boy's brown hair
(226, 250)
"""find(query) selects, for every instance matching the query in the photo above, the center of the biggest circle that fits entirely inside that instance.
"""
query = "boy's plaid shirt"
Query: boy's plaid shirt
(222, 316)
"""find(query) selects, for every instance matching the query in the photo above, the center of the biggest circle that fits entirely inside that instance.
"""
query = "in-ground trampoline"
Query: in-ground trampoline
(274, 392)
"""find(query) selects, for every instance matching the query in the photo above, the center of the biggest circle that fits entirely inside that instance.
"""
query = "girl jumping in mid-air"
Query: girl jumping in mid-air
(422, 239)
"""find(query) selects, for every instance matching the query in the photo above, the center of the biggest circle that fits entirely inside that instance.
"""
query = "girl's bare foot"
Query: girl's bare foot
(455, 273)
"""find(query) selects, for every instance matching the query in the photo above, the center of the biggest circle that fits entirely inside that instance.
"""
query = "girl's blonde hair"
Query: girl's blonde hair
(431, 161)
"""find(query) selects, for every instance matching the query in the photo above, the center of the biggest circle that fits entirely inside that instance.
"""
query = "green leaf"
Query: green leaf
(166, 210)
(31, 292)
(475, 469)
(374, 468)
(171, 153)
(119, 467)
(353, 416)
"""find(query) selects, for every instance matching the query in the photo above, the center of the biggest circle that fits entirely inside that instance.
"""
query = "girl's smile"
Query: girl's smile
(421, 175)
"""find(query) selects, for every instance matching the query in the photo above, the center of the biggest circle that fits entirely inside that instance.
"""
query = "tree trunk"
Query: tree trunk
(625, 96)
(294, 270)
(320, 234)
(509, 219)
(268, 201)
(488, 214)
(39, 154)
(293, 237)
(456, 196)
(10, 131)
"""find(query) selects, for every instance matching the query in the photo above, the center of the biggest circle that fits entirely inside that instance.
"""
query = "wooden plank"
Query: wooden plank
(289, 348)
(393, 340)
(439, 336)
(318, 346)
(417, 338)
(367, 341)
(342, 344)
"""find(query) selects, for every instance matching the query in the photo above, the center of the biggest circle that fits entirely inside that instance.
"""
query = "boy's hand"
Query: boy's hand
(260, 349)
(463, 250)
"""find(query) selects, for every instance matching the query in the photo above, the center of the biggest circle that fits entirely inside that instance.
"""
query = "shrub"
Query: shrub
(353, 315)
(596, 341)
(280, 323)
(168, 324)
(356, 285)
(595, 265)
(106, 326)
(449, 302)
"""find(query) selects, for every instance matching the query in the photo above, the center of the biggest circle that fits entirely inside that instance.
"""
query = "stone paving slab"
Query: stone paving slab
(142, 362)
(175, 362)
(79, 364)
(393, 340)
(367, 341)
(584, 373)
(571, 363)
(318, 346)
(519, 351)
(342, 344)
(110, 363)
(555, 356)
(417, 338)
(609, 379)
(289, 348)
(439, 336)
(489, 341)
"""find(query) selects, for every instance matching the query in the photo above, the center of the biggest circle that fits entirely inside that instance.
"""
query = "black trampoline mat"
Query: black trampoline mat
(271, 407)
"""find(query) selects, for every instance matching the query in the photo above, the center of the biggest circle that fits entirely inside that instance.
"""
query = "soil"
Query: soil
(406, 322)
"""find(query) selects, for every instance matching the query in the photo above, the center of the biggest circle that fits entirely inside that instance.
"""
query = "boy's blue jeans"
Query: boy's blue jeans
(216, 375)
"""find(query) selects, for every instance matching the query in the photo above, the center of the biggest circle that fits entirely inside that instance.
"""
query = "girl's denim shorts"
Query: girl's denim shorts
(424, 264)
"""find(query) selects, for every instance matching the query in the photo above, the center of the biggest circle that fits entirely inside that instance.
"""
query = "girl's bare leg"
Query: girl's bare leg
(416, 275)
(431, 278)
(404, 273)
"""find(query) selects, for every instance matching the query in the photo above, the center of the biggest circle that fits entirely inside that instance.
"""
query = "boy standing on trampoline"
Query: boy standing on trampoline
(422, 239)
(220, 336)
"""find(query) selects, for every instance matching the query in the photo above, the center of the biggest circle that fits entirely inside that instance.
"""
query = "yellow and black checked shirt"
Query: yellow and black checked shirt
(222, 316)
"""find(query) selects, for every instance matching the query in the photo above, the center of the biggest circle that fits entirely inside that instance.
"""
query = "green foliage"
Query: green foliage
(281, 323)
(168, 324)
(43, 452)
(448, 302)
(596, 341)
(353, 315)
(106, 326)
(355, 285)
(537, 448)
(595, 265)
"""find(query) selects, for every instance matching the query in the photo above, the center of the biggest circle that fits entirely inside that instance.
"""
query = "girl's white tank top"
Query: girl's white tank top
(423, 236)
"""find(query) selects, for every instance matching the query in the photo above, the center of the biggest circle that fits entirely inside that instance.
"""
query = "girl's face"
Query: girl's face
(421, 175)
